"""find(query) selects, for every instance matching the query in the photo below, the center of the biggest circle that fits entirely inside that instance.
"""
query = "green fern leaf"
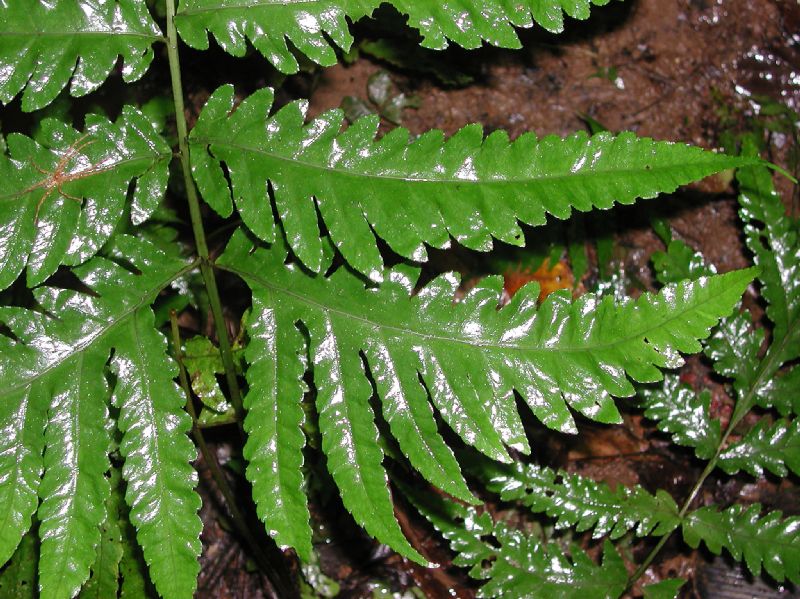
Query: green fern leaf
(772, 237)
(733, 348)
(18, 577)
(679, 262)
(781, 392)
(41, 42)
(515, 564)
(132, 567)
(116, 316)
(466, 188)
(22, 422)
(775, 447)
(104, 581)
(63, 197)
(666, 589)
(157, 453)
(275, 441)
(551, 355)
(74, 488)
(679, 411)
(771, 541)
(577, 501)
(314, 26)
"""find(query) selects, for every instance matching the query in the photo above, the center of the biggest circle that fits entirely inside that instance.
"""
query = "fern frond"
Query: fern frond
(515, 564)
(577, 353)
(275, 441)
(412, 193)
(41, 42)
(775, 447)
(22, 422)
(74, 488)
(18, 577)
(679, 262)
(733, 349)
(63, 195)
(157, 453)
(317, 27)
(782, 392)
(580, 502)
(58, 363)
(104, 581)
(772, 541)
(773, 239)
(682, 413)
(666, 589)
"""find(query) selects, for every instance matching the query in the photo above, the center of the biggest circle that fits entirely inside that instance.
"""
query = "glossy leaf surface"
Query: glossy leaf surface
(770, 541)
(578, 502)
(275, 441)
(44, 45)
(773, 447)
(772, 237)
(548, 354)
(64, 194)
(682, 413)
(74, 488)
(157, 452)
(515, 564)
(423, 191)
(57, 363)
(317, 27)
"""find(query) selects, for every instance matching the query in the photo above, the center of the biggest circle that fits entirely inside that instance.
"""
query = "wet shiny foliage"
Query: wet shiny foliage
(97, 489)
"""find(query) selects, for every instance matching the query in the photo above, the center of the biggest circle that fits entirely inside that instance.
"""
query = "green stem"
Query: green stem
(216, 472)
(769, 364)
(197, 219)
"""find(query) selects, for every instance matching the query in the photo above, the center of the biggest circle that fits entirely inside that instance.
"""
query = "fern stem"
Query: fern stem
(769, 364)
(264, 564)
(197, 219)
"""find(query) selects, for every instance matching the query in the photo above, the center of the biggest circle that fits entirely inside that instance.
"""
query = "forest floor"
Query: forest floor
(681, 70)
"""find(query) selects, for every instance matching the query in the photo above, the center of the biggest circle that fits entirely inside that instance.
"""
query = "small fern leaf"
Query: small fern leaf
(104, 581)
(41, 42)
(771, 541)
(313, 27)
(74, 488)
(18, 577)
(781, 392)
(275, 441)
(679, 411)
(63, 197)
(772, 237)
(579, 502)
(22, 421)
(733, 348)
(349, 434)
(679, 262)
(157, 452)
(666, 589)
(773, 447)
(466, 188)
(515, 564)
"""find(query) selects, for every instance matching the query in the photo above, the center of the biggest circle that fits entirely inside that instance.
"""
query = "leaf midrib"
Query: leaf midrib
(82, 32)
(250, 5)
(210, 141)
(429, 337)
